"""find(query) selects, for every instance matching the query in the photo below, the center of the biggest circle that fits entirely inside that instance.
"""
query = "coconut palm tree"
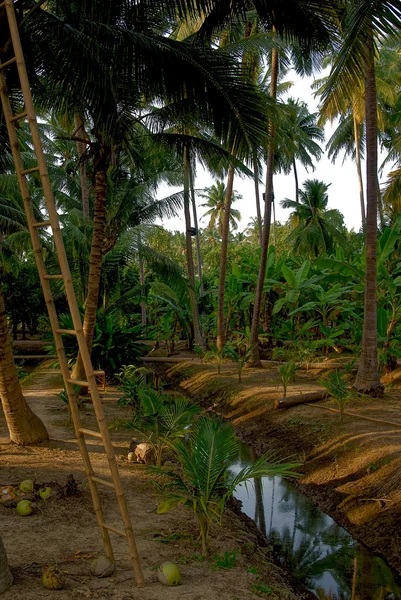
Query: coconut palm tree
(216, 196)
(23, 425)
(124, 58)
(317, 228)
(203, 482)
(301, 135)
(362, 23)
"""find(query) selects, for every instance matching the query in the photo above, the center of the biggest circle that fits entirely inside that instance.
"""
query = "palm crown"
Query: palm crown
(317, 227)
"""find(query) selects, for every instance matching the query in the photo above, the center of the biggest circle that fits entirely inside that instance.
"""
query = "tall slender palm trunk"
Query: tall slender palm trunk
(6, 578)
(196, 225)
(257, 196)
(142, 281)
(221, 331)
(198, 338)
(80, 132)
(294, 166)
(101, 165)
(380, 205)
(24, 426)
(359, 171)
(255, 358)
(368, 378)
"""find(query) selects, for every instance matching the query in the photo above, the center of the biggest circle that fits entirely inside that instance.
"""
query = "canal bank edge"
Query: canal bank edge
(352, 471)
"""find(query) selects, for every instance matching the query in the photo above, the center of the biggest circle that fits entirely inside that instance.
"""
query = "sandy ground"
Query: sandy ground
(351, 470)
(63, 531)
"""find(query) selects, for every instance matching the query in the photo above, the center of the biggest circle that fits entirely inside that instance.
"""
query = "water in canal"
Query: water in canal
(320, 553)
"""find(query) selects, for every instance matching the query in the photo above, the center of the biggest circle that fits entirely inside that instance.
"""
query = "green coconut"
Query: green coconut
(168, 574)
(102, 567)
(131, 456)
(45, 492)
(26, 486)
(24, 508)
(53, 578)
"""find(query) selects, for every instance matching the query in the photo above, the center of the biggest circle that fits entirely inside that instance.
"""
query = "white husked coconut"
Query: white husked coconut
(102, 567)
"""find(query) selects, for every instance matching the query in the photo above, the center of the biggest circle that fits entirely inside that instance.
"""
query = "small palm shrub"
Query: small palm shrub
(215, 355)
(203, 482)
(287, 372)
(161, 419)
(240, 358)
(132, 380)
(338, 387)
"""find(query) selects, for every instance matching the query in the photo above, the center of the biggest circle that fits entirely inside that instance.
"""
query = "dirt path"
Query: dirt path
(63, 530)
(352, 471)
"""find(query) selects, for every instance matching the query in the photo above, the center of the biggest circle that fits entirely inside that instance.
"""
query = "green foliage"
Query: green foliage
(63, 396)
(115, 342)
(239, 357)
(132, 380)
(261, 588)
(287, 373)
(227, 560)
(215, 355)
(162, 419)
(338, 387)
(203, 482)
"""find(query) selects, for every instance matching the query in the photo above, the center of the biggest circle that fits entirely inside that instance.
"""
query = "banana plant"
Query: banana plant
(296, 283)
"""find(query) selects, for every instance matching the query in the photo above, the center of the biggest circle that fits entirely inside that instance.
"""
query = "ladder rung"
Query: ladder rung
(95, 434)
(60, 276)
(102, 481)
(113, 529)
(31, 170)
(12, 60)
(19, 116)
(78, 382)
(66, 331)
(42, 224)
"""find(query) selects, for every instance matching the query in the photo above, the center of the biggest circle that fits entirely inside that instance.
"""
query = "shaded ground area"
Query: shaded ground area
(352, 471)
(63, 531)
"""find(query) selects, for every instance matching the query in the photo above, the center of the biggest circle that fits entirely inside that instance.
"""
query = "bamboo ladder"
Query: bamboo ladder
(65, 276)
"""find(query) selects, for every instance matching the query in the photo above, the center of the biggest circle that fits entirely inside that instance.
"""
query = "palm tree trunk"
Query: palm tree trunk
(294, 166)
(368, 378)
(380, 206)
(274, 218)
(196, 225)
(221, 335)
(190, 260)
(142, 281)
(254, 341)
(24, 426)
(6, 578)
(80, 132)
(101, 165)
(257, 195)
(359, 171)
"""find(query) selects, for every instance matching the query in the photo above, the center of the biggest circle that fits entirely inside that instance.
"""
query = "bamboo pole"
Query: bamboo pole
(69, 290)
(50, 304)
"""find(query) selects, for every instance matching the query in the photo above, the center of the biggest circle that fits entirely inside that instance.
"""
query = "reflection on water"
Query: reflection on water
(319, 552)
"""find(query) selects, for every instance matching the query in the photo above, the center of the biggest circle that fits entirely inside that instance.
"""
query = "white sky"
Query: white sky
(343, 191)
